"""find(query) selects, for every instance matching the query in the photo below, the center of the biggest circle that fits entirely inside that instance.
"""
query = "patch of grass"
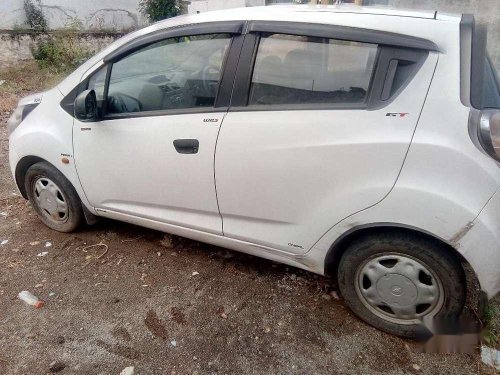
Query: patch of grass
(28, 77)
(23, 79)
(492, 322)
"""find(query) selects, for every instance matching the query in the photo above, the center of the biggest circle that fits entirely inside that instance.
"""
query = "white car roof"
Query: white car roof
(343, 8)
(285, 11)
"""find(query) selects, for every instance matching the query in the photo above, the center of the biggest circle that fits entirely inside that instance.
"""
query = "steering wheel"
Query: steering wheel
(207, 72)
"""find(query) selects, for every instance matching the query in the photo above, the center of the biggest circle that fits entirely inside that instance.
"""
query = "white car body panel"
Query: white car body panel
(212, 238)
(445, 182)
(484, 230)
(126, 169)
(305, 172)
(427, 176)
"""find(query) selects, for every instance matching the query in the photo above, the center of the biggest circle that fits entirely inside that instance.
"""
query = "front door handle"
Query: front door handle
(187, 146)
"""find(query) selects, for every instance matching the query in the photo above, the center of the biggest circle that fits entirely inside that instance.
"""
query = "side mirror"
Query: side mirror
(86, 106)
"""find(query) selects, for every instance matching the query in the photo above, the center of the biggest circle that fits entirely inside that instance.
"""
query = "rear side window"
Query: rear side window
(176, 73)
(309, 70)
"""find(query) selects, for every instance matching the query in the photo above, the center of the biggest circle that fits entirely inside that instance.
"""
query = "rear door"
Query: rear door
(319, 127)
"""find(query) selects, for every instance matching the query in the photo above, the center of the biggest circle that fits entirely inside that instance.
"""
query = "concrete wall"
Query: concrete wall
(91, 14)
(486, 12)
(199, 6)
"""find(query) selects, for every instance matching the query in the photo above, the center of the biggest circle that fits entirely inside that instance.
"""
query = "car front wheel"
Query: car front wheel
(394, 281)
(53, 198)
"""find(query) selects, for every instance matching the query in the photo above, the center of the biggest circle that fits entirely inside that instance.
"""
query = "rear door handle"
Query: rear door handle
(187, 146)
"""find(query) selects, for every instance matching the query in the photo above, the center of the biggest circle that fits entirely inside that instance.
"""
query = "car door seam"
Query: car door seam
(220, 128)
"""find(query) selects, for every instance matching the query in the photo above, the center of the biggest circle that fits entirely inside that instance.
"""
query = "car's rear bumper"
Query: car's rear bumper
(481, 246)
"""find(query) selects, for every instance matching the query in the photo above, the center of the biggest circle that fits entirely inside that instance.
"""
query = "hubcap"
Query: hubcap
(399, 288)
(50, 200)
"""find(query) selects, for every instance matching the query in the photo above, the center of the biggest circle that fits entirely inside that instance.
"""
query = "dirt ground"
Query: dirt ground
(168, 305)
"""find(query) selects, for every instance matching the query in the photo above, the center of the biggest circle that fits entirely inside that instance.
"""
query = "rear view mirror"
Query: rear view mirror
(86, 106)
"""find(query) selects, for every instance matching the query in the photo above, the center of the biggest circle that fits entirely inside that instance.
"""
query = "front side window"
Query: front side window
(176, 73)
(309, 70)
(97, 83)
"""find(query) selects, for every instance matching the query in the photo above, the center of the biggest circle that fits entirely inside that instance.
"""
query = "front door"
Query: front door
(152, 155)
(319, 132)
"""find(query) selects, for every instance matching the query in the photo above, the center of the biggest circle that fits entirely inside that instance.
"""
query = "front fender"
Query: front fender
(45, 135)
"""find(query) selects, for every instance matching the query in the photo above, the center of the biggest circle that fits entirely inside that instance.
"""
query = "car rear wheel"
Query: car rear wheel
(394, 281)
(53, 198)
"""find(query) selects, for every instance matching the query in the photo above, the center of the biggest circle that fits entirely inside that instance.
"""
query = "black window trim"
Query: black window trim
(377, 95)
(473, 59)
(352, 34)
(385, 54)
(224, 27)
(477, 66)
(466, 40)
(163, 112)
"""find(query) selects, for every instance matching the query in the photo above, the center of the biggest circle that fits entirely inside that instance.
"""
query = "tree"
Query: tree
(156, 10)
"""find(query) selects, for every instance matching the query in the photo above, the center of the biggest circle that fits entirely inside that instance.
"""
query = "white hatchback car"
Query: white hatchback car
(363, 143)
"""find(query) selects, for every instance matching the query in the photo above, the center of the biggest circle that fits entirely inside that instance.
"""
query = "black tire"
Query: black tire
(74, 217)
(436, 258)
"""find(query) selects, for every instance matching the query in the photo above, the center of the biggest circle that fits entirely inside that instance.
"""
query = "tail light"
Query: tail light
(489, 132)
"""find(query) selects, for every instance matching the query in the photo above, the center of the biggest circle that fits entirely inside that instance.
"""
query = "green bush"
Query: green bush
(492, 322)
(156, 10)
(60, 53)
